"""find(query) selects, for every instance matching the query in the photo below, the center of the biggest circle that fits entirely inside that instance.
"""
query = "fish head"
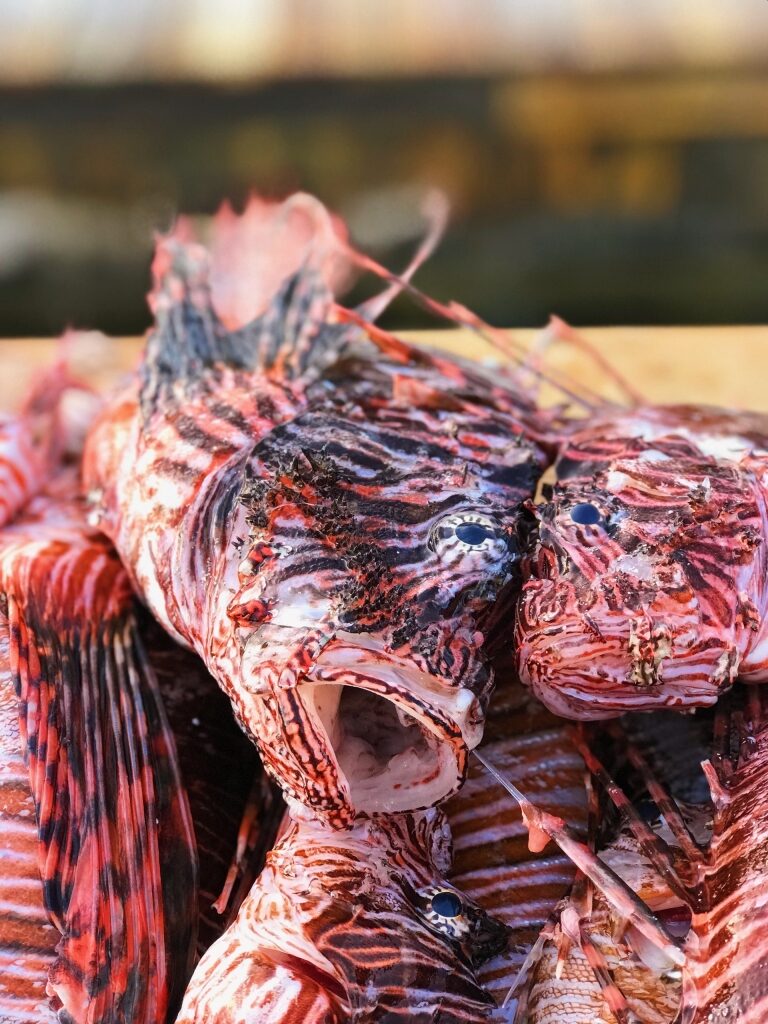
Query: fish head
(396, 893)
(379, 549)
(637, 589)
(364, 919)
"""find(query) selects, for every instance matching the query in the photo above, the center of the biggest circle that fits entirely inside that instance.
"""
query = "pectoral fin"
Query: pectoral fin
(117, 853)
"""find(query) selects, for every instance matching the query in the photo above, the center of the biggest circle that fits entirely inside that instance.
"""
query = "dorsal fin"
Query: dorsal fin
(294, 335)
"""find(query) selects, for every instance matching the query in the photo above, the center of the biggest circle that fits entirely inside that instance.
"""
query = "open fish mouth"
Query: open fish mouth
(399, 736)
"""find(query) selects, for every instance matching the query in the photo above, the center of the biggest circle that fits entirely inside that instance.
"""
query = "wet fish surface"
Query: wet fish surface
(327, 516)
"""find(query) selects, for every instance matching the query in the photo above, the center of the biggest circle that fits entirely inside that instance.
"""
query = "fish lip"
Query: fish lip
(601, 681)
(449, 721)
(363, 658)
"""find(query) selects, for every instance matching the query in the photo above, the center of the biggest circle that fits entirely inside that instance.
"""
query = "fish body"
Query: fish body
(520, 883)
(646, 586)
(327, 516)
(351, 926)
(727, 947)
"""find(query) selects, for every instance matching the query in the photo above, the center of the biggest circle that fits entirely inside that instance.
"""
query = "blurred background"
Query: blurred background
(604, 159)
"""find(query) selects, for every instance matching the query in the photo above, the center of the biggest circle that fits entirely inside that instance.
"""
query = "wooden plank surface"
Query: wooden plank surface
(721, 365)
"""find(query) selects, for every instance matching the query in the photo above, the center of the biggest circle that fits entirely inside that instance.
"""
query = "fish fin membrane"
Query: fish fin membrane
(116, 846)
(294, 337)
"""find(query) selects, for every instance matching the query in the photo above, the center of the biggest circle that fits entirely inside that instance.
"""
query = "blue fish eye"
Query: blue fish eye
(446, 904)
(474, 533)
(585, 514)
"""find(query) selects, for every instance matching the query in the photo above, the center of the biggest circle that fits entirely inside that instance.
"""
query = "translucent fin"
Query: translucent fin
(652, 845)
(624, 901)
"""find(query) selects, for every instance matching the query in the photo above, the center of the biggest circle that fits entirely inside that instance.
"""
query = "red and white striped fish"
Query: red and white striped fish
(95, 833)
(698, 860)
(351, 926)
(646, 586)
(326, 515)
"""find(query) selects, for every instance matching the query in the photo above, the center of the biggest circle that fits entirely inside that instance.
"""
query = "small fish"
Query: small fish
(348, 926)
(325, 514)
(98, 889)
(646, 585)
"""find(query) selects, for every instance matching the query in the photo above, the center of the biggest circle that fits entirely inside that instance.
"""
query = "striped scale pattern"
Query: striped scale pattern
(114, 847)
(493, 861)
(291, 497)
(727, 965)
(340, 928)
(646, 584)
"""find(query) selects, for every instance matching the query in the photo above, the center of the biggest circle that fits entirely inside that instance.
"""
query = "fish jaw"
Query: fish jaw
(599, 666)
(379, 735)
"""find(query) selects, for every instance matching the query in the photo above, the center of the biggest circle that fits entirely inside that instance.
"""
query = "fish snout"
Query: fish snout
(597, 667)
(488, 937)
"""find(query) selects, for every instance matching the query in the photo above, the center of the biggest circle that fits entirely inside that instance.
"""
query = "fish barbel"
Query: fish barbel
(348, 926)
(646, 585)
(325, 514)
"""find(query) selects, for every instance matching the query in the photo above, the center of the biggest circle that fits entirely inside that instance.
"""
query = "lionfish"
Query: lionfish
(693, 848)
(646, 585)
(97, 893)
(351, 925)
(326, 514)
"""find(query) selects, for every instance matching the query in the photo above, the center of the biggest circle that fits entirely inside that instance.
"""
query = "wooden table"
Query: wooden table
(722, 365)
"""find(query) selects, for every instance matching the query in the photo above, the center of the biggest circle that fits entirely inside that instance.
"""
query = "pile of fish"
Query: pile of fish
(345, 681)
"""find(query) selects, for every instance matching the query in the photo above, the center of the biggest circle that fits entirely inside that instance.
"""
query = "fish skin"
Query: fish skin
(286, 494)
(726, 976)
(340, 927)
(663, 601)
(493, 862)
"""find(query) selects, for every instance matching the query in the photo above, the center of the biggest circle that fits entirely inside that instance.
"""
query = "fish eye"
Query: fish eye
(474, 533)
(447, 904)
(586, 514)
(446, 912)
(471, 539)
